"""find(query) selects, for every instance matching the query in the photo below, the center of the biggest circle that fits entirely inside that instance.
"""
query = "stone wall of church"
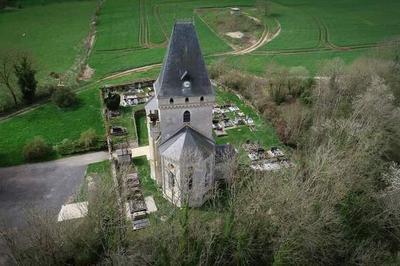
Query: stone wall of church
(171, 115)
(178, 190)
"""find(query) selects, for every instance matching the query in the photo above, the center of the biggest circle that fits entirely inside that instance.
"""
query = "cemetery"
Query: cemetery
(229, 116)
(265, 160)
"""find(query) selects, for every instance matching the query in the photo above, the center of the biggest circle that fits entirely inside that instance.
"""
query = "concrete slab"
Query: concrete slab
(141, 151)
(73, 211)
(150, 204)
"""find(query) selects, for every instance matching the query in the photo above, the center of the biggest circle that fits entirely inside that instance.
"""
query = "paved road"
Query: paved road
(41, 186)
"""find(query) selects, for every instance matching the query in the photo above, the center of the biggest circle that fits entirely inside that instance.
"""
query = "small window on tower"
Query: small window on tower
(186, 100)
(186, 117)
(201, 99)
(171, 100)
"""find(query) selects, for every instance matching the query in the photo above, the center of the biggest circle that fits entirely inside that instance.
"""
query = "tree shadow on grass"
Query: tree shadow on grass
(77, 105)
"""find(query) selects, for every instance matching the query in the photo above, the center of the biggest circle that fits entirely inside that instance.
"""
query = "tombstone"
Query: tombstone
(124, 155)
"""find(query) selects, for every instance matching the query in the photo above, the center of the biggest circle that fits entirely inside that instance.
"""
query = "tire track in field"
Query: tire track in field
(326, 42)
(156, 12)
(143, 25)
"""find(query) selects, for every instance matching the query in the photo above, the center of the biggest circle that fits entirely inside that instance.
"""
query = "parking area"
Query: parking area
(40, 187)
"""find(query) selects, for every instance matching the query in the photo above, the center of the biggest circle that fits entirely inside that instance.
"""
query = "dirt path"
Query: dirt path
(130, 71)
(266, 37)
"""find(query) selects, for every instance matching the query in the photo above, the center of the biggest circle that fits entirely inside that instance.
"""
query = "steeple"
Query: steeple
(184, 72)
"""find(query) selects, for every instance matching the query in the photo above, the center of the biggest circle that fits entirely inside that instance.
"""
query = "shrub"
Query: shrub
(88, 141)
(26, 79)
(88, 138)
(112, 101)
(66, 147)
(64, 97)
(37, 150)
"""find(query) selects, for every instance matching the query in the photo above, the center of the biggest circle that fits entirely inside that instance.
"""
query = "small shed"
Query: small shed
(235, 11)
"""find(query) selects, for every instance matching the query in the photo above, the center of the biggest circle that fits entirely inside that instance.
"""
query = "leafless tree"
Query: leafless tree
(7, 78)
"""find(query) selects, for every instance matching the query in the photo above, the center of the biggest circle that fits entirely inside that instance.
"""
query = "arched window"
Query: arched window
(186, 117)
(186, 100)
(201, 99)
(171, 100)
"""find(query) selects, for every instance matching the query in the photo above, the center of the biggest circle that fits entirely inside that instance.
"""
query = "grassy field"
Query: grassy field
(311, 31)
(257, 62)
(53, 34)
(50, 122)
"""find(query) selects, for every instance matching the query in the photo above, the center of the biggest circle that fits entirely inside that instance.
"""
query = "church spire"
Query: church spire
(183, 72)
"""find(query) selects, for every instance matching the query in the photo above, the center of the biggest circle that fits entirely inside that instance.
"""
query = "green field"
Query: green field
(50, 122)
(141, 127)
(53, 34)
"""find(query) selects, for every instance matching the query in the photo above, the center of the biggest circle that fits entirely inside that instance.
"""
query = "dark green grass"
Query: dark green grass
(50, 122)
(263, 132)
(141, 126)
(54, 35)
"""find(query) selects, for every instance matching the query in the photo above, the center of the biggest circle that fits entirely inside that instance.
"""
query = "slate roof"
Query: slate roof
(186, 142)
(183, 62)
(151, 104)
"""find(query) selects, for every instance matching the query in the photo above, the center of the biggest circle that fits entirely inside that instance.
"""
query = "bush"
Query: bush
(88, 141)
(37, 150)
(88, 138)
(64, 97)
(66, 147)
(112, 101)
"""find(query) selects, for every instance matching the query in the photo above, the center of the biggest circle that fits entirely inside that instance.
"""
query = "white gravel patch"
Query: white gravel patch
(73, 211)
(235, 34)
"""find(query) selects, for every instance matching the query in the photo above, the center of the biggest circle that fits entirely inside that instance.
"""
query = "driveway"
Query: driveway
(41, 187)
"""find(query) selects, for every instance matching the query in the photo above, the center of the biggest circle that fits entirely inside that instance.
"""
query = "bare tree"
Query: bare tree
(7, 61)
(3, 4)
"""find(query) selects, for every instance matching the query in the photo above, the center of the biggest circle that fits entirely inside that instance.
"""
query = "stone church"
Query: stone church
(182, 148)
